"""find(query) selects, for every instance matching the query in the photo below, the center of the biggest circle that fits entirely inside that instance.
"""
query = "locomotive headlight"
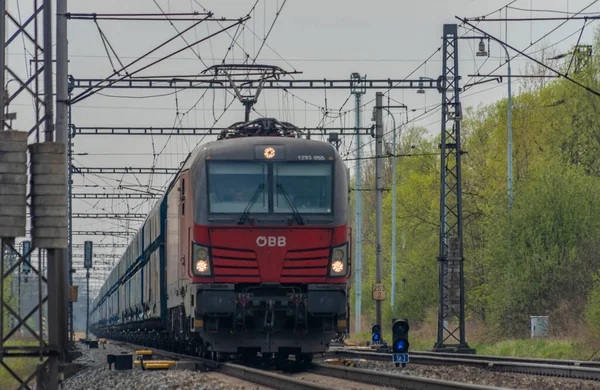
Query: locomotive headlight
(337, 267)
(201, 260)
(201, 266)
(339, 261)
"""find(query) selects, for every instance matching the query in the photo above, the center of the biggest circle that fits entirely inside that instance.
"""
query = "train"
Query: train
(247, 252)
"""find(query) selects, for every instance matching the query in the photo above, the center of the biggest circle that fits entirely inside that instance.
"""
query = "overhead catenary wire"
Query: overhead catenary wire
(549, 11)
(269, 32)
(234, 41)
(180, 34)
(98, 87)
(574, 51)
(587, 88)
(585, 24)
(538, 40)
(107, 46)
(433, 109)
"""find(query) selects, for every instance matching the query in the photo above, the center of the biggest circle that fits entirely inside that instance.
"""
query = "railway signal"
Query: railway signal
(400, 342)
(376, 334)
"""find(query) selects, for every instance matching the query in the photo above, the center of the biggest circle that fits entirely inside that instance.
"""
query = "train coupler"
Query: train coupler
(300, 318)
(239, 321)
(269, 322)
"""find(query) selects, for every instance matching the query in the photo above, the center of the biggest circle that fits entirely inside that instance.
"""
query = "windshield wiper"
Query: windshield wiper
(253, 200)
(291, 203)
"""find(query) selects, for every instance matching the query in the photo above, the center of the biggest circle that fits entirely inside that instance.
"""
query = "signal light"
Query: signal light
(400, 342)
(376, 334)
(400, 336)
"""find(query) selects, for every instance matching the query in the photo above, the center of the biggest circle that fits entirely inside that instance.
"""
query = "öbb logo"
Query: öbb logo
(270, 241)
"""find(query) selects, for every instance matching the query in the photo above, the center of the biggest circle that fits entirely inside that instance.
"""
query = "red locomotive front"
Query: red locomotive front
(263, 254)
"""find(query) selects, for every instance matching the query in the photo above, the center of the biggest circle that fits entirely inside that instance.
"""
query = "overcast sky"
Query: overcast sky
(322, 39)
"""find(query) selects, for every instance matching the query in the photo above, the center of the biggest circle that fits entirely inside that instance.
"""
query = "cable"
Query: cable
(597, 93)
(393, 155)
(550, 11)
(270, 29)
(90, 91)
(574, 51)
(533, 43)
(181, 35)
(140, 97)
(234, 41)
(106, 42)
(562, 40)
(499, 9)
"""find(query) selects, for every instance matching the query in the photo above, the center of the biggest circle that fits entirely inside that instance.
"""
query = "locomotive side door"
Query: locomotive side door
(184, 228)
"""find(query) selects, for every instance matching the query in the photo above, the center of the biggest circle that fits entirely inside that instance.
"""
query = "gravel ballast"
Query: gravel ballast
(96, 375)
(482, 377)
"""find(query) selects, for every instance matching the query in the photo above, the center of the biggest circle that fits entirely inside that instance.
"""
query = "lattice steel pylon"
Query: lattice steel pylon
(30, 27)
(451, 312)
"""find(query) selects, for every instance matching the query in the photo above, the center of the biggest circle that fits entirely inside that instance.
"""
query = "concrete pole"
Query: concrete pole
(2, 281)
(358, 223)
(393, 297)
(70, 211)
(57, 258)
(379, 197)
(509, 147)
(63, 120)
(55, 309)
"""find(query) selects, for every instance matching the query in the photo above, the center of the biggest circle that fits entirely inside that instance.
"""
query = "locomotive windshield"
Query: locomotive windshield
(233, 185)
(307, 186)
(270, 187)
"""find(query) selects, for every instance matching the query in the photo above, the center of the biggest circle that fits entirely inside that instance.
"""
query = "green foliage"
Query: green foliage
(10, 300)
(547, 254)
(22, 366)
(541, 258)
(592, 310)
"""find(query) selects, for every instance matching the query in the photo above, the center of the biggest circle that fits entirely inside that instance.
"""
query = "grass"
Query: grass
(422, 337)
(22, 366)
(539, 348)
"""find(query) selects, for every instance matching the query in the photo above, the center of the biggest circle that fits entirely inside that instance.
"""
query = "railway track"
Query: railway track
(547, 367)
(576, 363)
(277, 380)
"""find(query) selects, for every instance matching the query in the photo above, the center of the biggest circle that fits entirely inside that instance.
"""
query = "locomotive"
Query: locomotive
(248, 251)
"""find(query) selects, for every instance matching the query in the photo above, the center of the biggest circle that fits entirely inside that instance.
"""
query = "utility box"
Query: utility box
(123, 362)
(13, 183)
(49, 195)
(539, 326)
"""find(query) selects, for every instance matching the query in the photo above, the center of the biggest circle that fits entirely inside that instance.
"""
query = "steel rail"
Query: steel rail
(559, 362)
(261, 377)
(278, 381)
(577, 363)
(391, 380)
(268, 379)
(565, 371)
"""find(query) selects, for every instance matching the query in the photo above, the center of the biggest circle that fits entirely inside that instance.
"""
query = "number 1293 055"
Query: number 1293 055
(309, 157)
